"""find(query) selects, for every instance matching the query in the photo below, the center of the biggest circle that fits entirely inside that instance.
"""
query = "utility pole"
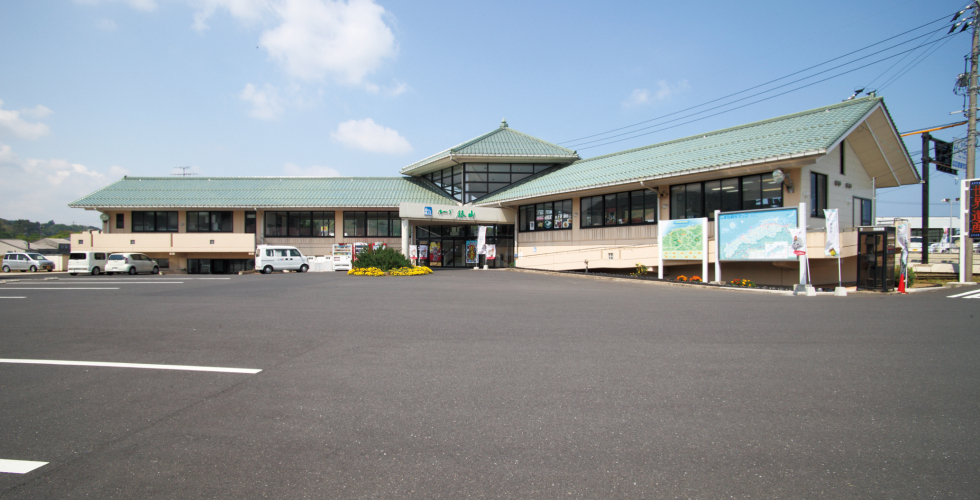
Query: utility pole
(926, 142)
(966, 243)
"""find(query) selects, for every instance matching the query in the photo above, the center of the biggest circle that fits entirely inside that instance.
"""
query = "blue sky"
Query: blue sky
(96, 89)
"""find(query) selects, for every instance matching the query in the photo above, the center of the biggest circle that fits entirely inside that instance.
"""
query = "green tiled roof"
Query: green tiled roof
(808, 132)
(505, 142)
(246, 192)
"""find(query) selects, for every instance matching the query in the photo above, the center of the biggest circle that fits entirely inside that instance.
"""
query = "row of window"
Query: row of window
(553, 215)
(472, 181)
(620, 209)
(301, 224)
(701, 199)
(380, 224)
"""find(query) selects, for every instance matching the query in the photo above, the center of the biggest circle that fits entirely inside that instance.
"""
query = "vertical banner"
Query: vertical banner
(832, 248)
(491, 252)
(481, 240)
(423, 252)
(973, 220)
(471, 256)
(435, 254)
(413, 252)
(902, 240)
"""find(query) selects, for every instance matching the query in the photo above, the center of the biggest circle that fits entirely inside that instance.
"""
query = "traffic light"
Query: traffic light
(944, 156)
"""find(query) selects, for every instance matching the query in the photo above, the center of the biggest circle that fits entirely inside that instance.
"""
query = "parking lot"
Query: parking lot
(480, 384)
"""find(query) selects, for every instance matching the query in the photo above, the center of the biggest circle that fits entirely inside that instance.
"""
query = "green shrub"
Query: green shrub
(898, 275)
(385, 259)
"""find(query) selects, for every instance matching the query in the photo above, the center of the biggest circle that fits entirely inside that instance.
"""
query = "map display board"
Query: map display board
(682, 239)
(757, 234)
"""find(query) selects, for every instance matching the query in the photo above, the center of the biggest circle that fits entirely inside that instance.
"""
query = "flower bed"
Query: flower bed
(401, 271)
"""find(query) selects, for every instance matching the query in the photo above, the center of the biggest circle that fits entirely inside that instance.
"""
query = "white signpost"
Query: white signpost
(832, 247)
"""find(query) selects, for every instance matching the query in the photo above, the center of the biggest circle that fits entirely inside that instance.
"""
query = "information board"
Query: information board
(757, 234)
(973, 221)
(682, 239)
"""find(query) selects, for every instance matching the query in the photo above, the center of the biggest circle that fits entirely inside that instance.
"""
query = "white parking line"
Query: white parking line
(106, 282)
(57, 288)
(19, 466)
(971, 292)
(131, 365)
(145, 278)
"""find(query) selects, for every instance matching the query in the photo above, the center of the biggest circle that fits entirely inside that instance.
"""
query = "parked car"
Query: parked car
(86, 262)
(270, 258)
(131, 263)
(915, 244)
(25, 261)
(941, 247)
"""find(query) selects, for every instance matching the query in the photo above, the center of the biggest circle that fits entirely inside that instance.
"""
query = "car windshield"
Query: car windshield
(117, 257)
(36, 256)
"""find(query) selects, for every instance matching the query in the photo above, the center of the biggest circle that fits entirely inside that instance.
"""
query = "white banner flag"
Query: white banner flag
(413, 252)
(491, 252)
(481, 241)
(832, 248)
(799, 240)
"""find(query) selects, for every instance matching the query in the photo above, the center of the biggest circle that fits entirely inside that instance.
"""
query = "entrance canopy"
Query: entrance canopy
(456, 214)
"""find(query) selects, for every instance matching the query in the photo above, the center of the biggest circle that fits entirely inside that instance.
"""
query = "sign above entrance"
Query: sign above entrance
(456, 213)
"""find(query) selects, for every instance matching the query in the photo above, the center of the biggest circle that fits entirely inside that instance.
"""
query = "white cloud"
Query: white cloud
(41, 189)
(311, 171)
(664, 91)
(146, 5)
(394, 90)
(266, 104)
(106, 24)
(369, 136)
(321, 38)
(14, 123)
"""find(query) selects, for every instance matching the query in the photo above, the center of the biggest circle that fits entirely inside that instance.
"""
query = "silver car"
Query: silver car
(26, 261)
(131, 263)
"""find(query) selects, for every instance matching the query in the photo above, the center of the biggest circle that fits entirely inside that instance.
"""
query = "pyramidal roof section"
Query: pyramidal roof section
(804, 133)
(502, 144)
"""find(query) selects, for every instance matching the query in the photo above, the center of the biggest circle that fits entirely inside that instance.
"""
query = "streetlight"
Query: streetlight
(950, 201)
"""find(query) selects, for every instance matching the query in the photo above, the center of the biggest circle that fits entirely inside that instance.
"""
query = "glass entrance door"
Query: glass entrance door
(876, 260)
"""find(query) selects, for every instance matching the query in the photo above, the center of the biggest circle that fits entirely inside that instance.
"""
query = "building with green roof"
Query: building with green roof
(544, 205)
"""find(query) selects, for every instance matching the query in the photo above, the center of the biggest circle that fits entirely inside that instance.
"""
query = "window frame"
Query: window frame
(223, 217)
(171, 216)
(359, 222)
(818, 204)
(594, 211)
(285, 221)
(120, 221)
(527, 214)
(859, 212)
(724, 199)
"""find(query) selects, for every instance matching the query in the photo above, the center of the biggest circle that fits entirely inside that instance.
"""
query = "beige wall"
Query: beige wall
(839, 197)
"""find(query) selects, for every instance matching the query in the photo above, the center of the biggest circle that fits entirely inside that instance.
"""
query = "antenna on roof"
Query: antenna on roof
(184, 172)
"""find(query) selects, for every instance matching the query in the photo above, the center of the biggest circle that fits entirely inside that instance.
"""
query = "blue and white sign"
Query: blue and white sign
(959, 154)
(757, 234)
(427, 211)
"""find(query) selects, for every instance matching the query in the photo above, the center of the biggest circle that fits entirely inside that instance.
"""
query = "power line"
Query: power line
(749, 97)
(771, 81)
(912, 64)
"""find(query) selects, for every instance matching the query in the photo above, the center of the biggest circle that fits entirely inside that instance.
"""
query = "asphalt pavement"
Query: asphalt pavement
(481, 384)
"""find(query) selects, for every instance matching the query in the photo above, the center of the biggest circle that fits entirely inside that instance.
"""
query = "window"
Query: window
(818, 194)
(120, 221)
(842, 157)
(862, 209)
(374, 224)
(546, 216)
(619, 209)
(209, 222)
(154, 222)
(299, 224)
(250, 222)
(472, 181)
(701, 199)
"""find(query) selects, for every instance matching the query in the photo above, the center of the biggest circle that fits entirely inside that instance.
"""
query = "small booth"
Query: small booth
(876, 258)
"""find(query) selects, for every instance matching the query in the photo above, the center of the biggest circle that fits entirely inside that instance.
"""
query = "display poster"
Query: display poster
(682, 239)
(413, 252)
(491, 252)
(471, 256)
(757, 234)
(974, 209)
(423, 252)
(435, 254)
(832, 247)
(481, 240)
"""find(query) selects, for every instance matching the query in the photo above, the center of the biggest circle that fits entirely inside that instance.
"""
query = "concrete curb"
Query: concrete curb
(662, 283)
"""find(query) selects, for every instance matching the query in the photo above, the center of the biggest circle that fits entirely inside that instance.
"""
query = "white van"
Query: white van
(270, 258)
(86, 262)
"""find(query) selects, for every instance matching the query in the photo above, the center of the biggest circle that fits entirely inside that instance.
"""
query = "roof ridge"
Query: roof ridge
(736, 127)
(542, 140)
(127, 177)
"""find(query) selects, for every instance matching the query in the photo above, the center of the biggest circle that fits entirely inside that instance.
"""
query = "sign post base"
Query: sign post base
(840, 292)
